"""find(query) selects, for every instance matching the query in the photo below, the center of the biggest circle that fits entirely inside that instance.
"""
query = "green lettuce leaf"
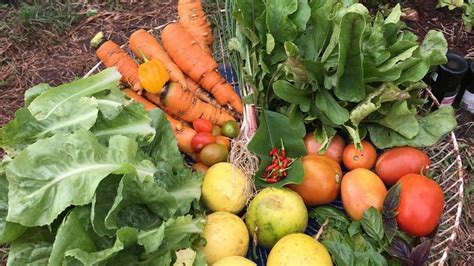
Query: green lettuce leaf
(400, 119)
(54, 100)
(132, 122)
(8, 231)
(387, 92)
(51, 174)
(103, 202)
(331, 108)
(32, 248)
(33, 92)
(350, 82)
(173, 235)
(111, 102)
(26, 129)
(278, 22)
(431, 129)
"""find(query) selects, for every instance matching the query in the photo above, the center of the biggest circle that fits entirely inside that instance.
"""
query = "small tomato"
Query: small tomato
(200, 167)
(230, 129)
(213, 153)
(224, 141)
(354, 158)
(334, 151)
(201, 139)
(202, 125)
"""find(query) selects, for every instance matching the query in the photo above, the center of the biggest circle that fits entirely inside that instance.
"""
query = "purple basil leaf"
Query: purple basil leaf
(420, 253)
(399, 248)
(391, 202)
(390, 227)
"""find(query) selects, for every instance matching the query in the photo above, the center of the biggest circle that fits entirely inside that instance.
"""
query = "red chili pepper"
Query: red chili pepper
(285, 174)
(273, 152)
(271, 167)
(283, 154)
(285, 163)
(272, 180)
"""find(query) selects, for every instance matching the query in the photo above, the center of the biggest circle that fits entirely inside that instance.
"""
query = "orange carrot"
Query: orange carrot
(194, 20)
(182, 132)
(112, 55)
(139, 99)
(198, 65)
(143, 43)
(184, 105)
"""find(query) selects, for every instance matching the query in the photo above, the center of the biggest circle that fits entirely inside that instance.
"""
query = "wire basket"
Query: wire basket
(445, 156)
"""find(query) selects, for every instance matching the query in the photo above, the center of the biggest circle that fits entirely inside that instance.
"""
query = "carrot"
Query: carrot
(194, 20)
(143, 43)
(182, 132)
(139, 99)
(112, 55)
(198, 65)
(184, 105)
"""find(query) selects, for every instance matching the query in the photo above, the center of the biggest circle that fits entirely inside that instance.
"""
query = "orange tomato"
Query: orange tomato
(321, 184)
(224, 141)
(354, 158)
(397, 162)
(334, 151)
(421, 205)
(361, 189)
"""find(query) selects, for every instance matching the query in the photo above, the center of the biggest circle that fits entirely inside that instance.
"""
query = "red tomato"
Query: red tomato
(421, 205)
(354, 158)
(202, 125)
(201, 139)
(334, 150)
(397, 162)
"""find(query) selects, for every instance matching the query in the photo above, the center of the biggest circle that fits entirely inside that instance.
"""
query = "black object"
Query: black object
(466, 95)
(467, 84)
(448, 78)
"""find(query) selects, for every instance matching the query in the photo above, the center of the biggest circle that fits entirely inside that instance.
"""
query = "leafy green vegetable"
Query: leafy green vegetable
(430, 128)
(51, 174)
(343, 69)
(53, 100)
(103, 178)
(274, 130)
(25, 129)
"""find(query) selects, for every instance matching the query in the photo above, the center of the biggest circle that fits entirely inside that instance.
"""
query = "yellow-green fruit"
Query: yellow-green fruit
(226, 235)
(225, 188)
(234, 261)
(276, 212)
(298, 249)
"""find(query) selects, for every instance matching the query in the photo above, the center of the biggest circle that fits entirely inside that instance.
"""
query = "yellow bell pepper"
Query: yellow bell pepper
(153, 75)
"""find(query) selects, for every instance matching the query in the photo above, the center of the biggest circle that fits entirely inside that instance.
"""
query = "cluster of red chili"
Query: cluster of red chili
(278, 169)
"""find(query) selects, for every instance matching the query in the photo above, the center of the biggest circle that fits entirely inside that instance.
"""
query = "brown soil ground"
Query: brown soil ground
(28, 58)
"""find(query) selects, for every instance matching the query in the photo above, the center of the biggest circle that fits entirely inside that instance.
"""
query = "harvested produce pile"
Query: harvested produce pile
(94, 173)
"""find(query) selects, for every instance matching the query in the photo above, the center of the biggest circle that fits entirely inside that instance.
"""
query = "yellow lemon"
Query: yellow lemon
(226, 235)
(299, 249)
(225, 188)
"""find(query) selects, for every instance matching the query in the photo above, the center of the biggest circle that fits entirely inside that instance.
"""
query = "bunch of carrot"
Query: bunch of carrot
(196, 90)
